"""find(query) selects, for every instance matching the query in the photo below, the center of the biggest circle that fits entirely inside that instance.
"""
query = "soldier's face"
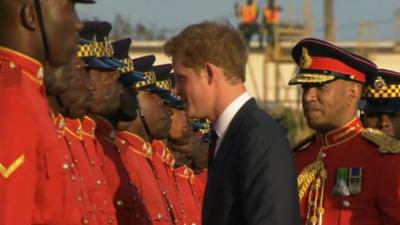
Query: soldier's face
(106, 91)
(325, 106)
(180, 127)
(78, 98)
(156, 114)
(388, 123)
(194, 89)
(62, 27)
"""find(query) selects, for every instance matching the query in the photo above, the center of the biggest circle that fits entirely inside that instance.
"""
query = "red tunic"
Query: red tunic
(128, 202)
(376, 201)
(136, 154)
(36, 185)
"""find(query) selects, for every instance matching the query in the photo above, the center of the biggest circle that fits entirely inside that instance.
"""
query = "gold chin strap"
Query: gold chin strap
(312, 180)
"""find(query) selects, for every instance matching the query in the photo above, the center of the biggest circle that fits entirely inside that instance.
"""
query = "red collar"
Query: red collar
(59, 121)
(29, 66)
(136, 142)
(341, 135)
(88, 127)
(74, 127)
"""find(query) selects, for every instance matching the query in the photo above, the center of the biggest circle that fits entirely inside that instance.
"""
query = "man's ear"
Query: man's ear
(28, 16)
(355, 90)
(210, 70)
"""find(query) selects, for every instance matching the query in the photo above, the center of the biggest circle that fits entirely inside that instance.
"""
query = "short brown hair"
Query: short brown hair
(219, 44)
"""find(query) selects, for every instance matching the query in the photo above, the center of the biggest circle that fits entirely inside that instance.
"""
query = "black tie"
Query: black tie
(211, 149)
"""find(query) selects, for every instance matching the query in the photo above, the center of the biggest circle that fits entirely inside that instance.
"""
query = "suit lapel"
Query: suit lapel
(217, 167)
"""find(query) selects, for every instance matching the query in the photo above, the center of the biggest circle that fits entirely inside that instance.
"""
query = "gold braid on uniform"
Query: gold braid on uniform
(312, 180)
(386, 143)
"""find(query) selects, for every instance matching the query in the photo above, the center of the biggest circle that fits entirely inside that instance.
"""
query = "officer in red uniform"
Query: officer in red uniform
(140, 158)
(382, 102)
(74, 104)
(345, 175)
(35, 168)
(128, 202)
(102, 66)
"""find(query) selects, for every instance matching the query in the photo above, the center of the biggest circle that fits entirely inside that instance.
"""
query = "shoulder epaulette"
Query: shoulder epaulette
(386, 143)
(303, 144)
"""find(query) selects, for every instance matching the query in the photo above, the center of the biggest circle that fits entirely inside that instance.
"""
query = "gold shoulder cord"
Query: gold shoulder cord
(312, 178)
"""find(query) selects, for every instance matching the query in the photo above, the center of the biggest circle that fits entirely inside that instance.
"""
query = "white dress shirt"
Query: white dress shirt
(222, 122)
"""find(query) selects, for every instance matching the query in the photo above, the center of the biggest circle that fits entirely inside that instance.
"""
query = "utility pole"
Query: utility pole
(330, 30)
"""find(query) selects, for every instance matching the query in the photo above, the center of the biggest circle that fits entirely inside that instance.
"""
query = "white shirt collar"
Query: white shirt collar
(223, 121)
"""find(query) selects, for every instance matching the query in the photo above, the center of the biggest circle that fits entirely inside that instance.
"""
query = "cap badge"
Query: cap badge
(380, 83)
(305, 59)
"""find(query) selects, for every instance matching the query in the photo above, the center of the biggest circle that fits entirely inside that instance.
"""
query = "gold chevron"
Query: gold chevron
(7, 172)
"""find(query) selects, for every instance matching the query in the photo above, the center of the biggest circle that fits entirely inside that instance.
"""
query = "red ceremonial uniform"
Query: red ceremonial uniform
(88, 163)
(35, 166)
(128, 202)
(163, 172)
(136, 154)
(184, 178)
(362, 185)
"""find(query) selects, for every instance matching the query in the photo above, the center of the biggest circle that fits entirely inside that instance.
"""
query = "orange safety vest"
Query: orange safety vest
(248, 13)
(271, 15)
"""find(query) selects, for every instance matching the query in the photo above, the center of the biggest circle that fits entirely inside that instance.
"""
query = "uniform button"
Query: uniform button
(120, 203)
(137, 215)
(110, 221)
(85, 221)
(92, 162)
(65, 166)
(123, 141)
(323, 155)
(12, 65)
(39, 74)
(79, 198)
(346, 204)
(73, 178)
(98, 182)
(159, 216)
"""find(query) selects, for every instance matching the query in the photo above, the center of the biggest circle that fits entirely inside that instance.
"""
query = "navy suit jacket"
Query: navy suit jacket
(252, 179)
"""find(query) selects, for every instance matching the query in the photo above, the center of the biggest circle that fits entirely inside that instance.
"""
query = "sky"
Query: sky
(174, 15)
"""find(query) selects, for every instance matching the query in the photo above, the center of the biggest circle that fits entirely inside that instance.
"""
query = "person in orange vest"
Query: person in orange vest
(248, 15)
(271, 17)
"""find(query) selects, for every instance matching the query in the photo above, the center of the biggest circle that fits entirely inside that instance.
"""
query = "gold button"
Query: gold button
(85, 221)
(120, 203)
(39, 74)
(98, 182)
(65, 166)
(123, 141)
(79, 198)
(12, 65)
(92, 162)
(346, 204)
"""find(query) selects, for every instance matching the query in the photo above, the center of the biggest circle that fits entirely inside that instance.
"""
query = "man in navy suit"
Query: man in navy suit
(251, 175)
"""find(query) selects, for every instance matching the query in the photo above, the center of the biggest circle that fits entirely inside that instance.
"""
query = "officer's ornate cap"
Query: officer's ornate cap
(97, 32)
(141, 64)
(156, 73)
(382, 92)
(121, 52)
(204, 126)
(167, 82)
(87, 53)
(320, 62)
